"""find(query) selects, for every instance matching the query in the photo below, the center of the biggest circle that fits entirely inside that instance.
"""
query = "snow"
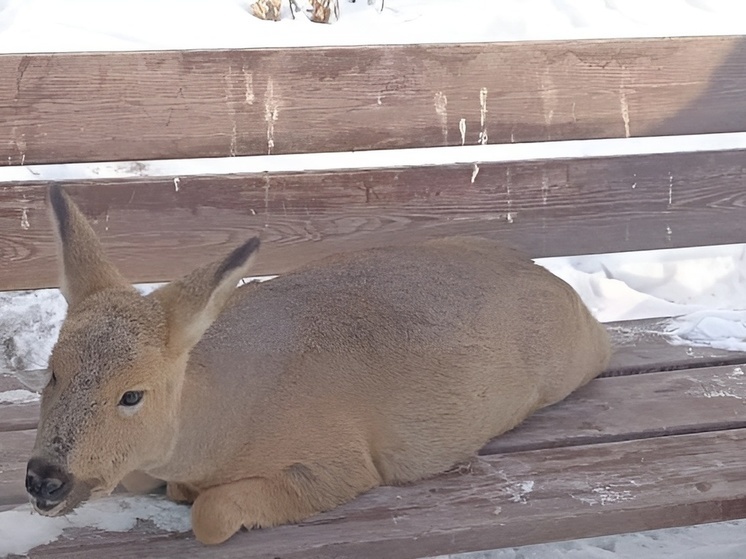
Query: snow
(88, 25)
(702, 288)
(18, 397)
(21, 529)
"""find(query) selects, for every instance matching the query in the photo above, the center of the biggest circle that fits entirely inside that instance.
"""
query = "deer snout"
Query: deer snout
(47, 484)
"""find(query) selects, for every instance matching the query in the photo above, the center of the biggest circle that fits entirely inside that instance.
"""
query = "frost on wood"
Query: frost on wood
(267, 9)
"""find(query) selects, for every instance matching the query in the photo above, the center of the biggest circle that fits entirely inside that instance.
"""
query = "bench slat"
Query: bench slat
(16, 417)
(574, 492)
(640, 346)
(639, 407)
(547, 208)
(151, 105)
(15, 450)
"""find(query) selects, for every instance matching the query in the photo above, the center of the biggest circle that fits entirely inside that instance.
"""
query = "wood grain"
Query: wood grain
(15, 450)
(639, 407)
(547, 208)
(16, 417)
(129, 106)
(576, 492)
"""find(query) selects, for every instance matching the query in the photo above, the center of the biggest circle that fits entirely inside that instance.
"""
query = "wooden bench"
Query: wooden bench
(650, 445)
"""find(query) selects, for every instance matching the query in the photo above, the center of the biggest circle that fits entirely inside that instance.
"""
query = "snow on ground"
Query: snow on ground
(705, 286)
(90, 25)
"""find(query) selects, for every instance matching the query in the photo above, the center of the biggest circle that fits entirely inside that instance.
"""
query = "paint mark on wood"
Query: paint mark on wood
(474, 173)
(548, 100)
(25, 225)
(509, 217)
(248, 81)
(625, 111)
(462, 130)
(544, 187)
(266, 196)
(271, 114)
(441, 109)
(231, 110)
(623, 103)
(483, 115)
(177, 180)
(670, 189)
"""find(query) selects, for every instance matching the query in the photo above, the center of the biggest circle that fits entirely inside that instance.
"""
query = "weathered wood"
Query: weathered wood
(639, 407)
(574, 492)
(547, 208)
(641, 346)
(16, 417)
(15, 450)
(120, 106)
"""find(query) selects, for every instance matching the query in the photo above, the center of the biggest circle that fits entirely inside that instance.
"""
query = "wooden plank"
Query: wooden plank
(638, 407)
(16, 417)
(574, 492)
(641, 346)
(15, 450)
(606, 410)
(121, 106)
(547, 208)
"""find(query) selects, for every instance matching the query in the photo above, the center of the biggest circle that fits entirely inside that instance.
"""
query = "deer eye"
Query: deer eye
(131, 398)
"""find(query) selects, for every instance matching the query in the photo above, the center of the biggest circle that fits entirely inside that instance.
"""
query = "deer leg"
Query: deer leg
(290, 496)
(181, 492)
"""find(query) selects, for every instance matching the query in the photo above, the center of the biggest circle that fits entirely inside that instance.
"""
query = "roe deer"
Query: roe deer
(265, 404)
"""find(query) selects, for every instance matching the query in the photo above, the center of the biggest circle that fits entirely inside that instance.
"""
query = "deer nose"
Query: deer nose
(47, 483)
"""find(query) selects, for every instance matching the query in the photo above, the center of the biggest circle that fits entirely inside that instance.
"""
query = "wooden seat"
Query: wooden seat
(653, 443)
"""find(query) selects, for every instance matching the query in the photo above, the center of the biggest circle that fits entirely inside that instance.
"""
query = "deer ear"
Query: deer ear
(85, 269)
(193, 302)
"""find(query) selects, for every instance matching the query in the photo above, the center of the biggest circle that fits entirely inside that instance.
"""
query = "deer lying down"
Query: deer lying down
(265, 404)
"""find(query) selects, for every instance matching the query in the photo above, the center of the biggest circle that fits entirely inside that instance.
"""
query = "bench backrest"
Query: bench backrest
(71, 108)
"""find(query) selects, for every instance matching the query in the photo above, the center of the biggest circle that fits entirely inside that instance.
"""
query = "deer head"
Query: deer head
(111, 403)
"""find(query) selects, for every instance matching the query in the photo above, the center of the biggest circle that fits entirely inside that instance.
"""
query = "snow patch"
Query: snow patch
(21, 529)
(18, 397)
(721, 329)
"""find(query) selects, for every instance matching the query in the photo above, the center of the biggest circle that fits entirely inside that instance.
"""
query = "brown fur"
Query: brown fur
(268, 403)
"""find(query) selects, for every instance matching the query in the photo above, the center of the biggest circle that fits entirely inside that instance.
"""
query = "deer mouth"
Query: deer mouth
(46, 508)
(79, 495)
